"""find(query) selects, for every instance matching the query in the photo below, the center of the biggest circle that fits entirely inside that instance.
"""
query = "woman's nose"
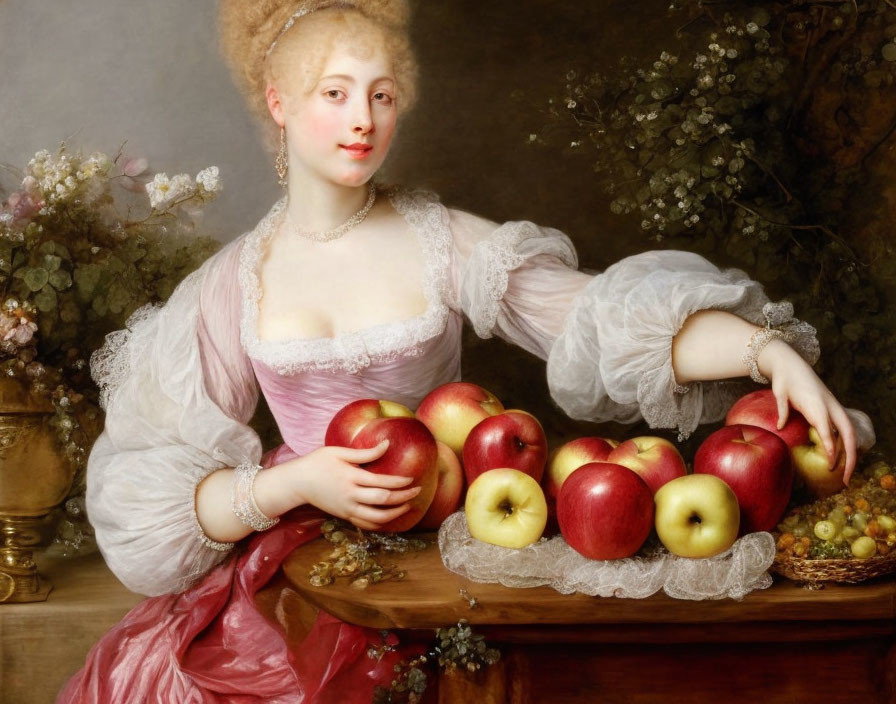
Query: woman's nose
(363, 122)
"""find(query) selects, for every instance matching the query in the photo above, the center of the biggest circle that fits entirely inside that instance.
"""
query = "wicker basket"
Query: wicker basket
(842, 571)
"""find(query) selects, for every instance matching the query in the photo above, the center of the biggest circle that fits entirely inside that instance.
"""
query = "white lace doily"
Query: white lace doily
(551, 562)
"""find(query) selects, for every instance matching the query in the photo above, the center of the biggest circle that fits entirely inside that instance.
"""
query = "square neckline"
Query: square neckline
(352, 349)
(264, 251)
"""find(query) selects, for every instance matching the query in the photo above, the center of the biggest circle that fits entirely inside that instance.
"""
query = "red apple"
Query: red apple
(513, 439)
(760, 408)
(570, 456)
(451, 410)
(605, 511)
(349, 420)
(756, 464)
(412, 452)
(449, 490)
(655, 459)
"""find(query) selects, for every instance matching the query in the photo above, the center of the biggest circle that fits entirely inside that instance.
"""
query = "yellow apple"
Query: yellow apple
(696, 515)
(451, 410)
(812, 466)
(506, 507)
(567, 458)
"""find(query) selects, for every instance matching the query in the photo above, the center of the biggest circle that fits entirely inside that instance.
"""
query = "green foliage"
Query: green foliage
(73, 269)
(747, 139)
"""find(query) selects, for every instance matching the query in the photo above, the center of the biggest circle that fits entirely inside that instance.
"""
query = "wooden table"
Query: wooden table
(785, 644)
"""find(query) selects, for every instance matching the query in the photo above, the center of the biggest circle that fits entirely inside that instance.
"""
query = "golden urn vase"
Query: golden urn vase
(35, 477)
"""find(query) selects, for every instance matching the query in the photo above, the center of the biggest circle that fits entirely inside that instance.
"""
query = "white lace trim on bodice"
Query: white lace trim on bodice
(353, 350)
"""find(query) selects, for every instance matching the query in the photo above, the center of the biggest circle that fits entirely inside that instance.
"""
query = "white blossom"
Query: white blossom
(182, 186)
(158, 190)
(209, 179)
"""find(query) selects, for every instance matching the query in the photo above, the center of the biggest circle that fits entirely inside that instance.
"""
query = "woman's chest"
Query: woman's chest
(311, 292)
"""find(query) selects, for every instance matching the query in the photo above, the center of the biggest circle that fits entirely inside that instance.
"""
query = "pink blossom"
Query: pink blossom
(23, 333)
(23, 205)
(135, 166)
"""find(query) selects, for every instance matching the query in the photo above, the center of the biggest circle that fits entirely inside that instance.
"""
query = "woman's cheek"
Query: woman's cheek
(386, 129)
(322, 125)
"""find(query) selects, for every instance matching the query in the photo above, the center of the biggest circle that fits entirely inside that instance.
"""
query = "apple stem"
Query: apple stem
(506, 507)
(694, 518)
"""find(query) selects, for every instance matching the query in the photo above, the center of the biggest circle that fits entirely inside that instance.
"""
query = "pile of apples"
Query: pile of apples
(605, 496)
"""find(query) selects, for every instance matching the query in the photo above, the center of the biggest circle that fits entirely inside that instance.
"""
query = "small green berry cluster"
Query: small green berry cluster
(455, 647)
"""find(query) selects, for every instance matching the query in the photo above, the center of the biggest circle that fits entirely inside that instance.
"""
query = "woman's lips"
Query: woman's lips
(358, 151)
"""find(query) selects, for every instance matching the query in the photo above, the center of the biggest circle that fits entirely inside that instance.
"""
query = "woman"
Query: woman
(344, 291)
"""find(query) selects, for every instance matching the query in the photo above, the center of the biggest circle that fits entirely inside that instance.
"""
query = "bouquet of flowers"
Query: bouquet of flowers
(84, 241)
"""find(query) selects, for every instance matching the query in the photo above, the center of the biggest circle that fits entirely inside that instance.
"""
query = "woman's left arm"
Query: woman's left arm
(711, 345)
(658, 336)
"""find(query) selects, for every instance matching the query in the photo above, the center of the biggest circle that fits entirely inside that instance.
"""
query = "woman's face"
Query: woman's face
(342, 129)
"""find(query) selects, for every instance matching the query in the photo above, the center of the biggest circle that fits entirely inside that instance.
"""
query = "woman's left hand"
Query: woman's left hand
(794, 383)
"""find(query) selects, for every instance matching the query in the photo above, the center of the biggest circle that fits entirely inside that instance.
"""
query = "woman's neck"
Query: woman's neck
(316, 205)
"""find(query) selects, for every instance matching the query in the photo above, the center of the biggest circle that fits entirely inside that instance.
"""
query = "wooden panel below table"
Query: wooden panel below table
(853, 671)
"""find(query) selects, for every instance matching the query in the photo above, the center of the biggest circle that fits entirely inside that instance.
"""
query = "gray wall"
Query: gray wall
(99, 72)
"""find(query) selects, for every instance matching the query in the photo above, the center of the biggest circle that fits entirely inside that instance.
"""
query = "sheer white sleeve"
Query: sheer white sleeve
(515, 281)
(163, 434)
(607, 338)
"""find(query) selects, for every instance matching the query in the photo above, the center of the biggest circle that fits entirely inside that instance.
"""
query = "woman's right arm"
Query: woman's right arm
(327, 478)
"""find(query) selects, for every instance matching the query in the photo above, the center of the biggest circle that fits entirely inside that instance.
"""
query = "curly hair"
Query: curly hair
(247, 29)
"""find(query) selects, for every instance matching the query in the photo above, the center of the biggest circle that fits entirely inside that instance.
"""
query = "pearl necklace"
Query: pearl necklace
(329, 235)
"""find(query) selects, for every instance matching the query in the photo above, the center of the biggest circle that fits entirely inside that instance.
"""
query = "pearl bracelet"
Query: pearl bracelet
(242, 499)
(212, 544)
(758, 341)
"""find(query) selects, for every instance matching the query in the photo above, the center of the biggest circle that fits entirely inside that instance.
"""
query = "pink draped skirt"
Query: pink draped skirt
(211, 644)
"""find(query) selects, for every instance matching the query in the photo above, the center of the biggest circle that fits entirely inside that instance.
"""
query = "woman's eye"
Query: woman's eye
(335, 94)
(382, 98)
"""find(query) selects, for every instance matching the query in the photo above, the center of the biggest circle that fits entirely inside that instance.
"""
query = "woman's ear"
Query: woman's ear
(275, 105)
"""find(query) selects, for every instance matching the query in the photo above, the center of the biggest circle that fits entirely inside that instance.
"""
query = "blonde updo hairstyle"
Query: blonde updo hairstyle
(249, 27)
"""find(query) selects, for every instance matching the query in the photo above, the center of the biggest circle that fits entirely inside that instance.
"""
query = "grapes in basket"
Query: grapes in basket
(858, 522)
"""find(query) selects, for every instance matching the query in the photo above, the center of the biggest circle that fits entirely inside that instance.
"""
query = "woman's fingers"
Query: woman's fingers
(378, 496)
(783, 409)
(848, 435)
(819, 420)
(377, 516)
(365, 525)
(360, 455)
(365, 477)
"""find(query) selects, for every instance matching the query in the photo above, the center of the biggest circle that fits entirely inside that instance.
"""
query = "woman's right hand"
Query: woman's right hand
(330, 479)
